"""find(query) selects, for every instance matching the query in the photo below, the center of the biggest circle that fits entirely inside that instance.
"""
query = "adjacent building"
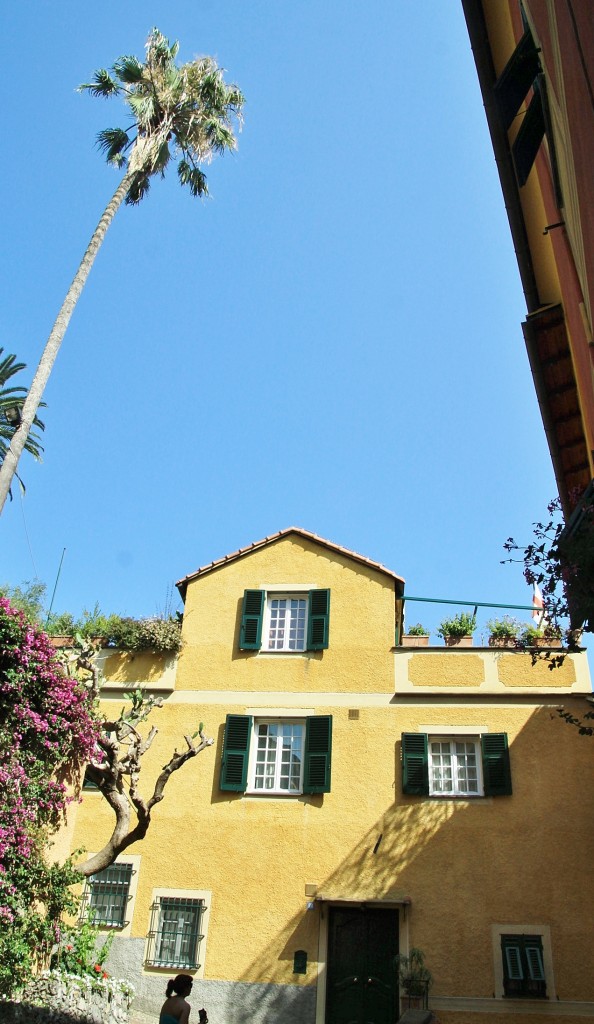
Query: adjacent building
(535, 64)
(361, 798)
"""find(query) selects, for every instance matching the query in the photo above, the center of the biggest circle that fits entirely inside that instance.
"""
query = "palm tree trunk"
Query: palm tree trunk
(35, 394)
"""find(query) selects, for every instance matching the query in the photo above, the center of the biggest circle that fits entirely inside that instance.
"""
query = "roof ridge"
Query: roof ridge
(269, 539)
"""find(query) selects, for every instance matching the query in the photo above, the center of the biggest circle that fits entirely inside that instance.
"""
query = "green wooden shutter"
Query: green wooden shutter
(236, 747)
(527, 142)
(250, 636)
(318, 620)
(534, 959)
(496, 764)
(318, 750)
(513, 961)
(516, 78)
(415, 764)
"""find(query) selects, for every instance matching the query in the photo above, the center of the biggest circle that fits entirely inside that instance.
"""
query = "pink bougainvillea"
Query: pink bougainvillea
(48, 730)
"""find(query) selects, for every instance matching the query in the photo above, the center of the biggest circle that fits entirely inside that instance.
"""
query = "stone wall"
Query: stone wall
(50, 1000)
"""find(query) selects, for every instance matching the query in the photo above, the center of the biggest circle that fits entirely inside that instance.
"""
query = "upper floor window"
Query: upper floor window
(277, 756)
(456, 766)
(285, 623)
(288, 622)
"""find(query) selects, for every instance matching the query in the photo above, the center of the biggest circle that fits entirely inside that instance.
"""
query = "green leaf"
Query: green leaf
(112, 141)
(102, 85)
(129, 70)
(138, 189)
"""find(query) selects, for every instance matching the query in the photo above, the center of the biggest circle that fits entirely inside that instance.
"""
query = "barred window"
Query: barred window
(107, 894)
(174, 935)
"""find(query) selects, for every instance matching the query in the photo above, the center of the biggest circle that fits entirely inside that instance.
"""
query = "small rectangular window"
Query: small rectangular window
(106, 895)
(175, 934)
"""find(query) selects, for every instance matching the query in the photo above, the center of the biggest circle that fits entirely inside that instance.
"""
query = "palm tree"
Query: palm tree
(189, 111)
(11, 405)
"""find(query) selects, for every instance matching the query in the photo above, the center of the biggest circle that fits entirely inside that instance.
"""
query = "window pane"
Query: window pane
(279, 757)
(286, 627)
(177, 937)
(108, 894)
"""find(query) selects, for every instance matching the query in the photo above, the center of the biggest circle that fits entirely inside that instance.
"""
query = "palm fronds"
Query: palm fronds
(11, 403)
(186, 110)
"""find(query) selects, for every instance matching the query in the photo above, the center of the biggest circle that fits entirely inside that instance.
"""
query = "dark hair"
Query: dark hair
(181, 985)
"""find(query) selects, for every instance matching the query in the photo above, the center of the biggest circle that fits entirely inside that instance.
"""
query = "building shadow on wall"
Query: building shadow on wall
(470, 862)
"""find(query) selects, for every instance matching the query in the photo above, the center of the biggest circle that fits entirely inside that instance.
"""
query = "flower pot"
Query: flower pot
(458, 641)
(61, 641)
(544, 642)
(502, 641)
(412, 640)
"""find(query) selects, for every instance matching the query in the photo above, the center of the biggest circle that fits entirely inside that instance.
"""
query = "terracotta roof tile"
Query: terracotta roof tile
(182, 584)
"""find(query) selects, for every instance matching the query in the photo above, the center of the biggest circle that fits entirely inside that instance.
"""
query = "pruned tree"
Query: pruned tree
(116, 767)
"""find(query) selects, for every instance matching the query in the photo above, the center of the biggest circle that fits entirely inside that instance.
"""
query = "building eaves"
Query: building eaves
(313, 537)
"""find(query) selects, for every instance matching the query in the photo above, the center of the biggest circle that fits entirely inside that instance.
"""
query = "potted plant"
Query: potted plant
(540, 636)
(457, 631)
(416, 636)
(414, 980)
(503, 632)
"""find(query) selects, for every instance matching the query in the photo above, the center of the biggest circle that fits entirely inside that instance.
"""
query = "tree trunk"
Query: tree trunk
(35, 393)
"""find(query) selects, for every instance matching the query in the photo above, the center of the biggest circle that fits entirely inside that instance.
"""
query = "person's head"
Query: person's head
(181, 985)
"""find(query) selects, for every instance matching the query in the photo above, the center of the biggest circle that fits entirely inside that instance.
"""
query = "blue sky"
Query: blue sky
(331, 341)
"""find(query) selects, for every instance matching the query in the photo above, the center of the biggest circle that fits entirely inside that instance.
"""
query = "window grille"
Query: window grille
(174, 935)
(107, 894)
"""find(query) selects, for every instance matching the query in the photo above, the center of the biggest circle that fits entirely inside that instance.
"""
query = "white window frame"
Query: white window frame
(456, 792)
(276, 595)
(276, 790)
(543, 931)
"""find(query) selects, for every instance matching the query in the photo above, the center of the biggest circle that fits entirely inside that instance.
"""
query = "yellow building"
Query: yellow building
(361, 798)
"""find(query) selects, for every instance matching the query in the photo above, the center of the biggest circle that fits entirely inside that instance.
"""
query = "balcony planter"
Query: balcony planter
(458, 641)
(415, 640)
(503, 632)
(457, 631)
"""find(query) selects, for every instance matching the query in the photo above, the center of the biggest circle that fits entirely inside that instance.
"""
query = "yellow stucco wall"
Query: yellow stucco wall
(361, 625)
(464, 864)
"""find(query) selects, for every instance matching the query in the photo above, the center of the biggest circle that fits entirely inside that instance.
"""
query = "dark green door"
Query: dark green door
(362, 982)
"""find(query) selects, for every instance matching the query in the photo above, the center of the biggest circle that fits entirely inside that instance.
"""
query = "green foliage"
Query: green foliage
(462, 624)
(560, 559)
(413, 976)
(417, 630)
(188, 112)
(12, 400)
(79, 951)
(29, 599)
(506, 628)
(531, 634)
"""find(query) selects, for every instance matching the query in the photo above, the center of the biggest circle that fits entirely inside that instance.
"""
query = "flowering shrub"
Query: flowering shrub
(78, 952)
(48, 730)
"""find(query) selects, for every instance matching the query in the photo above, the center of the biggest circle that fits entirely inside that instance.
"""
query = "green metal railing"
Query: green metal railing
(469, 604)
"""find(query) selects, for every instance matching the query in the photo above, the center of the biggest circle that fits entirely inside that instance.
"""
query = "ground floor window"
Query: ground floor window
(175, 932)
(107, 894)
